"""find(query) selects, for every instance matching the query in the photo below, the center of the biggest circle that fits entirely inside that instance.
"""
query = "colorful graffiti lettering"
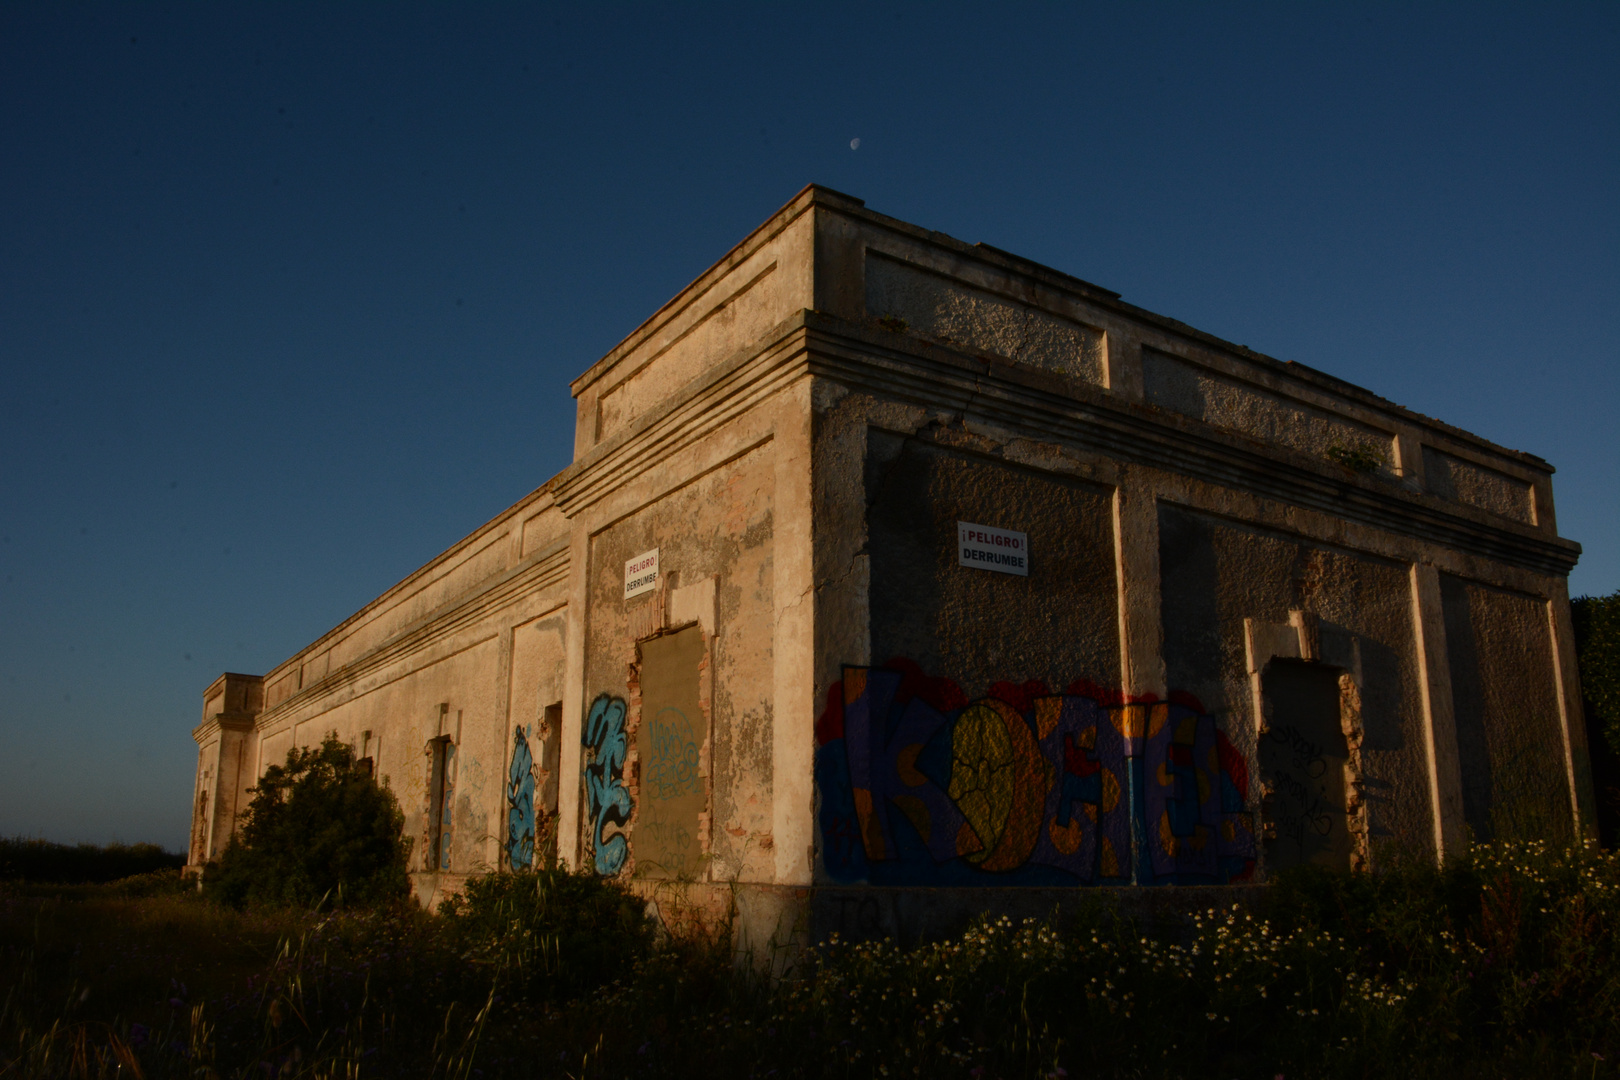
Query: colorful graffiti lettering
(920, 785)
(673, 770)
(520, 803)
(608, 800)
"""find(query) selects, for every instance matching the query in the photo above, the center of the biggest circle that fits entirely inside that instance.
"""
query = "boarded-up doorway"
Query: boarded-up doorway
(1303, 759)
(674, 794)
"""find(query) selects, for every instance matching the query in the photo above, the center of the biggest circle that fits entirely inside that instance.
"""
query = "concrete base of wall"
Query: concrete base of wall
(428, 889)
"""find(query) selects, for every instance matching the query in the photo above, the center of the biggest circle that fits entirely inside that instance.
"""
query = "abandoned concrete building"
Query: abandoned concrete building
(887, 561)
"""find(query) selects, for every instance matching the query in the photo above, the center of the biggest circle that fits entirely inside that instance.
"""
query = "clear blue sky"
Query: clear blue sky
(290, 295)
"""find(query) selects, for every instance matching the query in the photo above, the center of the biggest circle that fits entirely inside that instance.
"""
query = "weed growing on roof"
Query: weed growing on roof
(1361, 459)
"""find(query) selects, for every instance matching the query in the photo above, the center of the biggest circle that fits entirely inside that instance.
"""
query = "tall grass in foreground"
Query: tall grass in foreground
(1503, 964)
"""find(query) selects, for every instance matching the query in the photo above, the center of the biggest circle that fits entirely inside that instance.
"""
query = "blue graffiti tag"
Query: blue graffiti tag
(673, 770)
(520, 804)
(608, 799)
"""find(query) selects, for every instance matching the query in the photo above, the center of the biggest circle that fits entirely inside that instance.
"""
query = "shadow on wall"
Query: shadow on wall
(1509, 742)
(921, 786)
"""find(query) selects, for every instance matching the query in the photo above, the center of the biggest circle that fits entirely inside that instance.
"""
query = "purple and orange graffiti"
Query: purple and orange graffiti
(920, 785)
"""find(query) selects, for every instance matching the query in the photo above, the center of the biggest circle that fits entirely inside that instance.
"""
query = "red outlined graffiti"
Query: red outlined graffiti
(919, 784)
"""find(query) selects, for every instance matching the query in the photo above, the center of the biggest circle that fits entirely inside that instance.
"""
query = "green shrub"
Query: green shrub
(1511, 946)
(168, 882)
(319, 829)
(552, 934)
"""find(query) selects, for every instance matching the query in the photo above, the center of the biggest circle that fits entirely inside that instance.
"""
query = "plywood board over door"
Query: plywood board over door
(674, 794)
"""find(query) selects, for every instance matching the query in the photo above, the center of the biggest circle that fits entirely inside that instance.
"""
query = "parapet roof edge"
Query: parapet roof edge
(414, 576)
(820, 195)
(209, 689)
(808, 196)
(1006, 260)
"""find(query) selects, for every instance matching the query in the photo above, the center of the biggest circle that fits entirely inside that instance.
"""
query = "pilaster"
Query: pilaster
(1439, 717)
(1571, 714)
(793, 648)
(569, 792)
(1136, 564)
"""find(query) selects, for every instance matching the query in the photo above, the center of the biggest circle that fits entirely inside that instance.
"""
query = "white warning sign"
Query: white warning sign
(641, 574)
(986, 548)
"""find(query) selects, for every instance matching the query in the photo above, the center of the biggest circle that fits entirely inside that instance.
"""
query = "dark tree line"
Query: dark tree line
(1597, 646)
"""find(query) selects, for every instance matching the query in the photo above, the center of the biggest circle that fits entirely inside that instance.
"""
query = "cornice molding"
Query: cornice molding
(815, 197)
(449, 620)
(490, 532)
(723, 393)
(768, 230)
(1107, 300)
(1038, 405)
(222, 722)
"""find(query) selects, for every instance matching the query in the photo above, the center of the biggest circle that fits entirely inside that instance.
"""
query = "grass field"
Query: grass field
(1504, 965)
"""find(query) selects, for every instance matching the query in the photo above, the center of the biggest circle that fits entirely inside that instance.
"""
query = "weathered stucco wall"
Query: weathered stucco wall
(467, 651)
(534, 717)
(413, 602)
(461, 695)
(226, 748)
(1263, 413)
(1260, 601)
(714, 535)
(764, 280)
(1217, 573)
(978, 627)
(955, 313)
(1183, 595)
(1503, 683)
(1459, 480)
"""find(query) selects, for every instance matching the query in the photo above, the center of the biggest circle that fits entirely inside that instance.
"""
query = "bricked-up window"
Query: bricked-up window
(441, 794)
